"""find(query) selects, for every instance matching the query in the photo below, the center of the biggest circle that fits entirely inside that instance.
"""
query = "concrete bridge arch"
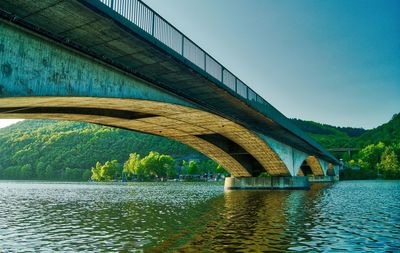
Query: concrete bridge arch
(236, 148)
(98, 67)
(312, 166)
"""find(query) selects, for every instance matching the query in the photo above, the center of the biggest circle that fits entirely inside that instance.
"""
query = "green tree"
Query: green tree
(51, 173)
(221, 170)
(72, 174)
(96, 172)
(168, 166)
(12, 172)
(86, 175)
(193, 168)
(111, 170)
(26, 172)
(389, 166)
(158, 166)
(207, 166)
(371, 155)
(131, 166)
(141, 171)
(346, 157)
(150, 165)
(184, 168)
(40, 170)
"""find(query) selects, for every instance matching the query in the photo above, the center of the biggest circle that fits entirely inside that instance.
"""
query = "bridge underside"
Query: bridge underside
(237, 149)
(102, 35)
(42, 79)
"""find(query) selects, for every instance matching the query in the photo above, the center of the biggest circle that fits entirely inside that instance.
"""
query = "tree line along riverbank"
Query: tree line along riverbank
(156, 167)
(62, 150)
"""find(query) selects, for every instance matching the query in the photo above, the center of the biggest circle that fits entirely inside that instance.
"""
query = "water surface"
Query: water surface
(355, 216)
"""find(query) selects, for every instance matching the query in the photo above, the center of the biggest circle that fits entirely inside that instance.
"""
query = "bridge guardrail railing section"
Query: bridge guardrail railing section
(153, 24)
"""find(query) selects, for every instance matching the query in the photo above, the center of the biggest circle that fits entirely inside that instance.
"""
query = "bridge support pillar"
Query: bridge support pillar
(266, 183)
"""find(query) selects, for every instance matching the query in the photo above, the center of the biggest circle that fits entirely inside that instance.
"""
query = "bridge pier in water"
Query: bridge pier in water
(323, 179)
(267, 183)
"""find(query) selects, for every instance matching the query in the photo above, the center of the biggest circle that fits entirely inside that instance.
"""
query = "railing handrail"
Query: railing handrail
(112, 5)
(266, 108)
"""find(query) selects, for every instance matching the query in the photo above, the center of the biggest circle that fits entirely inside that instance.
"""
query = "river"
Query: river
(356, 216)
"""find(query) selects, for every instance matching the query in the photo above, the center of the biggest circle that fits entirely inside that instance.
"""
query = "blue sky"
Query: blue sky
(331, 61)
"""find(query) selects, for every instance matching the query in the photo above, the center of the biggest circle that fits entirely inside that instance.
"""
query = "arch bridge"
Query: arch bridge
(119, 63)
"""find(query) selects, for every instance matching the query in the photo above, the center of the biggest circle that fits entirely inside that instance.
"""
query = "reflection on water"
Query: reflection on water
(352, 216)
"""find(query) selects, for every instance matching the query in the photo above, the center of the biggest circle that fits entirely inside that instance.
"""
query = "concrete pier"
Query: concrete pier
(266, 183)
(322, 179)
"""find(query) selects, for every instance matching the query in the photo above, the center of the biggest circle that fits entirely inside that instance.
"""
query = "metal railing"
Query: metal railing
(153, 24)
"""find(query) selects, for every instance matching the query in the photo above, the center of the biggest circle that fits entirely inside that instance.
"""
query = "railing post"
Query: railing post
(222, 74)
(183, 43)
(152, 27)
(205, 61)
(112, 4)
(236, 84)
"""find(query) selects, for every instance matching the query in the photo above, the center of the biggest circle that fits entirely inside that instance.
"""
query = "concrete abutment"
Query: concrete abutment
(266, 183)
(323, 179)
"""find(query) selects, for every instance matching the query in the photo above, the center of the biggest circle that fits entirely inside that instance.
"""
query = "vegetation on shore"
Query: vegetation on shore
(375, 161)
(61, 150)
(153, 167)
(379, 148)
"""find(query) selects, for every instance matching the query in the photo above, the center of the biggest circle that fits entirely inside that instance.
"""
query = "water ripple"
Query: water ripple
(351, 216)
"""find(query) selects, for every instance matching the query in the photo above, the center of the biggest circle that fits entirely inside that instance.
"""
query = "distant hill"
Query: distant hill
(335, 137)
(324, 129)
(46, 148)
(388, 133)
(328, 136)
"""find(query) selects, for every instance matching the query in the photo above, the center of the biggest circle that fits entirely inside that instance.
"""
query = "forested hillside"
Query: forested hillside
(44, 149)
(339, 137)
(379, 148)
(388, 133)
(328, 136)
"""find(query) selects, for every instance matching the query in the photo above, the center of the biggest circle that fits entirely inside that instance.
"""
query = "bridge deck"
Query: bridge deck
(149, 47)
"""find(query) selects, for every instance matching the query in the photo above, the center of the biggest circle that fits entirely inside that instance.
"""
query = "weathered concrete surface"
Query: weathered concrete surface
(292, 157)
(32, 66)
(321, 179)
(336, 169)
(109, 37)
(324, 165)
(41, 79)
(298, 159)
(266, 183)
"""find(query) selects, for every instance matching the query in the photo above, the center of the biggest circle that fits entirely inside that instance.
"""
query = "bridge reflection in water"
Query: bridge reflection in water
(259, 221)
